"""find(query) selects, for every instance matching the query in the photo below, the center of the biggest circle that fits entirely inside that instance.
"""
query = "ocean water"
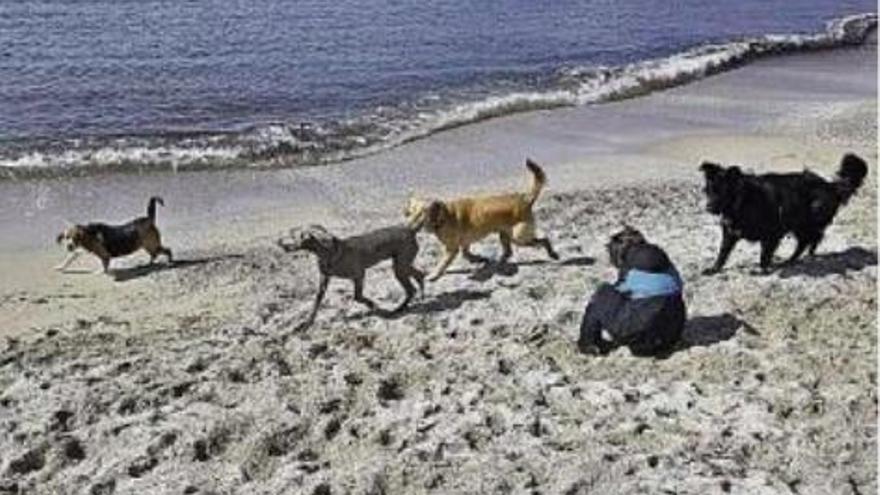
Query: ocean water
(135, 84)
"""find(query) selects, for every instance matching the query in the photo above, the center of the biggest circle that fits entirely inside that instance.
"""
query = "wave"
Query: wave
(291, 144)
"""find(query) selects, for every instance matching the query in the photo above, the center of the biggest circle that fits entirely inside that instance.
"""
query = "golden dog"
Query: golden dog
(459, 223)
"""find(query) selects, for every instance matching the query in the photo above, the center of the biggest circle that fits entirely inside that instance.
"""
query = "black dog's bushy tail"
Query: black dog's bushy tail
(151, 207)
(850, 175)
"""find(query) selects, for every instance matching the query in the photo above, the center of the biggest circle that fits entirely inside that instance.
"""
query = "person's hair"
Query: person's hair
(621, 241)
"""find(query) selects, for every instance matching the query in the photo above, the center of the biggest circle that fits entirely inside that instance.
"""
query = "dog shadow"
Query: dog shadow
(578, 261)
(822, 265)
(704, 331)
(78, 271)
(131, 273)
(492, 268)
(439, 303)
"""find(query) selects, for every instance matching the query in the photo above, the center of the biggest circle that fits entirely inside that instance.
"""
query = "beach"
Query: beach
(191, 378)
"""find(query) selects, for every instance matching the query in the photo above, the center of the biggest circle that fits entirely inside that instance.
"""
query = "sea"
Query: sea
(135, 85)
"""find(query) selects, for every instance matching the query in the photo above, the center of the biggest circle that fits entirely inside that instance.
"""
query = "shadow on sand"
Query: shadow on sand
(491, 268)
(822, 265)
(445, 301)
(704, 331)
(126, 274)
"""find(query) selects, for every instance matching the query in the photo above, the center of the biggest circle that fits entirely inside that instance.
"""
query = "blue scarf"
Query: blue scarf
(641, 284)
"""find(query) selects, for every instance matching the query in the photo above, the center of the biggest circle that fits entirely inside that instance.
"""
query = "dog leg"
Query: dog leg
(322, 289)
(402, 275)
(768, 248)
(506, 248)
(419, 278)
(158, 250)
(70, 258)
(105, 263)
(802, 245)
(451, 253)
(728, 241)
(524, 235)
(547, 247)
(167, 253)
(815, 243)
(359, 293)
(471, 257)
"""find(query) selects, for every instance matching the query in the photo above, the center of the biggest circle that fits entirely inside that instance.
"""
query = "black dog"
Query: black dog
(350, 257)
(765, 208)
(644, 309)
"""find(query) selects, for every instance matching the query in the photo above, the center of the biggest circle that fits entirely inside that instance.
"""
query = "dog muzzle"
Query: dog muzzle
(288, 248)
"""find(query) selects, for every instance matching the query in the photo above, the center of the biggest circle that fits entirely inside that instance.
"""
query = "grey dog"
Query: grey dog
(350, 257)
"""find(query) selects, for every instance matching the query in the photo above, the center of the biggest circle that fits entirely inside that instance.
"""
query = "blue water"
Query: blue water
(104, 82)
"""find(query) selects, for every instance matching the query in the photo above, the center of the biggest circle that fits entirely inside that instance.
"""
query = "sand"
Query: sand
(193, 379)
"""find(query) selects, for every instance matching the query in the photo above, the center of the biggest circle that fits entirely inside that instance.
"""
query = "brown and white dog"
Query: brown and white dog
(460, 222)
(112, 241)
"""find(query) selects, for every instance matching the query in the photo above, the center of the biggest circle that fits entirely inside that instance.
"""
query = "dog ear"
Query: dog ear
(710, 169)
(325, 239)
(60, 238)
(335, 245)
(435, 214)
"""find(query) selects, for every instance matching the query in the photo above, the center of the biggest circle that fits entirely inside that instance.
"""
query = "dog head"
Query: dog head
(76, 236)
(428, 213)
(850, 175)
(723, 186)
(314, 238)
(621, 242)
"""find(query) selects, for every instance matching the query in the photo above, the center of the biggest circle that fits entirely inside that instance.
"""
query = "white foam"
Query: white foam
(107, 157)
(585, 85)
(389, 127)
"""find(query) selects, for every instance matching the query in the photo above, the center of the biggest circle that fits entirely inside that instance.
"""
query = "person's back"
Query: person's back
(644, 309)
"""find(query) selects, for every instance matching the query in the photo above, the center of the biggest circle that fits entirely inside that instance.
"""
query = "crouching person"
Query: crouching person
(644, 309)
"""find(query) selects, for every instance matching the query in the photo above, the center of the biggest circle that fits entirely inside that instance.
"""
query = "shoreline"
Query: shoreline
(572, 143)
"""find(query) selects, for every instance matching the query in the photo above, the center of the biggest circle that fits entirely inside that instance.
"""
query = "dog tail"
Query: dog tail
(851, 175)
(151, 207)
(539, 178)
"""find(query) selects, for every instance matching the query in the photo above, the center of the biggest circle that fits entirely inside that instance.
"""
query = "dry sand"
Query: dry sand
(192, 379)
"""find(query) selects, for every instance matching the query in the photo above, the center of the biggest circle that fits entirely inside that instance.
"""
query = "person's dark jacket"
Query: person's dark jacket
(644, 309)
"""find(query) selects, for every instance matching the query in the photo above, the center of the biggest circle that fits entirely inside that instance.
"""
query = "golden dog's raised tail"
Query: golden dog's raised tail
(539, 178)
